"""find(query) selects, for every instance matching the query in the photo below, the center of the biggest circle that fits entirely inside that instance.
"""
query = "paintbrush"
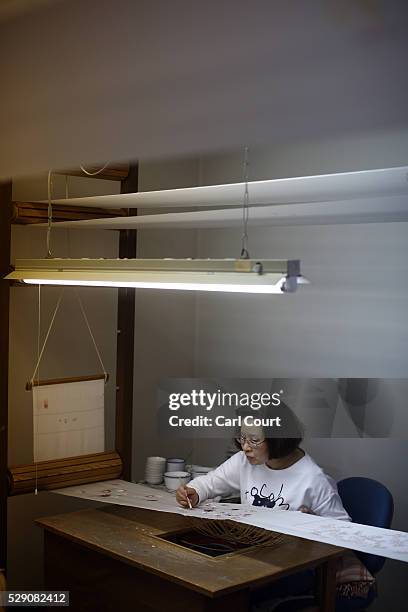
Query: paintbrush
(188, 501)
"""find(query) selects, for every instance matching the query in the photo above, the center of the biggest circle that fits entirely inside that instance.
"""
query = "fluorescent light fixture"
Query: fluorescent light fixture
(268, 276)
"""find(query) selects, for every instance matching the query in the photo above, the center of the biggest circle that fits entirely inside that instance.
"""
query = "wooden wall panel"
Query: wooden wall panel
(126, 344)
(5, 238)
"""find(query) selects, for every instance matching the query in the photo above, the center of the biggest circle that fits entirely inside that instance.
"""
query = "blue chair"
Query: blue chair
(368, 502)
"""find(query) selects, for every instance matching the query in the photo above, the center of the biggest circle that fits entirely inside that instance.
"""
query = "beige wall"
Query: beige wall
(165, 321)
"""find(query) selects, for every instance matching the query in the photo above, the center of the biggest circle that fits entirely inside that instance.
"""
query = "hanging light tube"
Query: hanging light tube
(266, 276)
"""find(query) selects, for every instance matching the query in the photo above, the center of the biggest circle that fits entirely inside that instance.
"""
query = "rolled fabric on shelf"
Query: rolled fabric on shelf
(67, 472)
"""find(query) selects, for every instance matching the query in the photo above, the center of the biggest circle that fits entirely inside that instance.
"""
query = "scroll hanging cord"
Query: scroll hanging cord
(245, 208)
(38, 377)
(49, 331)
(47, 334)
(92, 336)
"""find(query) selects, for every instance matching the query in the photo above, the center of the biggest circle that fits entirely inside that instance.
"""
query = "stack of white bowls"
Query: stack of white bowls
(199, 470)
(155, 467)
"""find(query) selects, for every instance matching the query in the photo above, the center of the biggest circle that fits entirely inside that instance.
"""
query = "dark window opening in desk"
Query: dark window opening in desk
(204, 544)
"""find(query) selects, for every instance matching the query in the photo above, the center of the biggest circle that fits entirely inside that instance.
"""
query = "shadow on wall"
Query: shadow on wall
(368, 404)
(348, 407)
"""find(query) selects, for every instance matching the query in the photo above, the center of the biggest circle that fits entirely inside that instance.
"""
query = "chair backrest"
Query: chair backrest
(368, 502)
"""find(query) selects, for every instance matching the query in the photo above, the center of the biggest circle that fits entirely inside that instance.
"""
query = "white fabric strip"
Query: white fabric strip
(293, 190)
(360, 210)
(373, 540)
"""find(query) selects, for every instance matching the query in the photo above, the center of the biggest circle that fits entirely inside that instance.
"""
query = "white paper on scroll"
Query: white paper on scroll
(68, 419)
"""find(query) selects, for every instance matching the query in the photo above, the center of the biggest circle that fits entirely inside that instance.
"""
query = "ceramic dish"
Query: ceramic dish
(175, 465)
(173, 480)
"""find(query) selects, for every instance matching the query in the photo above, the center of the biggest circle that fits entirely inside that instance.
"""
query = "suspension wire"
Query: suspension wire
(68, 234)
(68, 243)
(85, 171)
(49, 226)
(245, 207)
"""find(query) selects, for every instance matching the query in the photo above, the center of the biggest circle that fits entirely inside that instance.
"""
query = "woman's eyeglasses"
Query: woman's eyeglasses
(252, 442)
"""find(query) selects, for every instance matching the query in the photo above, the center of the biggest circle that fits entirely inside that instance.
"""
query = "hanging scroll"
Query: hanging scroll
(68, 417)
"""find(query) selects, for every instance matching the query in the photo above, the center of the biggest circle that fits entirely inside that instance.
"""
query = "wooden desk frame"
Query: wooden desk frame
(113, 559)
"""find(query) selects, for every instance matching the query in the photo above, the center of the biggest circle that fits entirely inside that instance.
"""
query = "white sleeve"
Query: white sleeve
(332, 507)
(327, 501)
(224, 480)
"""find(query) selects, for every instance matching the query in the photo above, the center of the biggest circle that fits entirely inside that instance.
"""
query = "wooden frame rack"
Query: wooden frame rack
(28, 212)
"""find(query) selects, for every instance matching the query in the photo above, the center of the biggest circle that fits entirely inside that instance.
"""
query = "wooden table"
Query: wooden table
(112, 559)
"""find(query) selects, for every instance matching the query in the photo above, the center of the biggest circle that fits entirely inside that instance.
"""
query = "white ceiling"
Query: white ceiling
(91, 80)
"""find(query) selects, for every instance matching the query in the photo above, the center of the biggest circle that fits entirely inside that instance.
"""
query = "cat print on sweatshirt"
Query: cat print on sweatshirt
(262, 499)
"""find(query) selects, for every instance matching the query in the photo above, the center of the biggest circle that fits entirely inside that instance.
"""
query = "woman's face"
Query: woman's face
(256, 454)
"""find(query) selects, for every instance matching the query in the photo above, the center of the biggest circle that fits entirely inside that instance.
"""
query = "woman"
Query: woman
(277, 473)
(269, 472)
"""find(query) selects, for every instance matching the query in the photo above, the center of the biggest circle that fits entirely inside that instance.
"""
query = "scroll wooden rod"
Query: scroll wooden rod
(60, 381)
(60, 473)
(112, 172)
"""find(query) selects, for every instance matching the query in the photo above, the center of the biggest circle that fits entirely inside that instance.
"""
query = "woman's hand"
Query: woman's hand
(185, 492)
(306, 510)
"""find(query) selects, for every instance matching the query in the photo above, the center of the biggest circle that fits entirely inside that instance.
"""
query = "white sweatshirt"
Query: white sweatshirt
(302, 484)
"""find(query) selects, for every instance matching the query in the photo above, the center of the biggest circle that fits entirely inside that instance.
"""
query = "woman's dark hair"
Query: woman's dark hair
(279, 445)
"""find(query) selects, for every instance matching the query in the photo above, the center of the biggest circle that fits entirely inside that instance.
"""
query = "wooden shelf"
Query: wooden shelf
(25, 213)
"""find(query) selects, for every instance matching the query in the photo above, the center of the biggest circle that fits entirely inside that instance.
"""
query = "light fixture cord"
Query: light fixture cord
(85, 171)
(245, 207)
(49, 226)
